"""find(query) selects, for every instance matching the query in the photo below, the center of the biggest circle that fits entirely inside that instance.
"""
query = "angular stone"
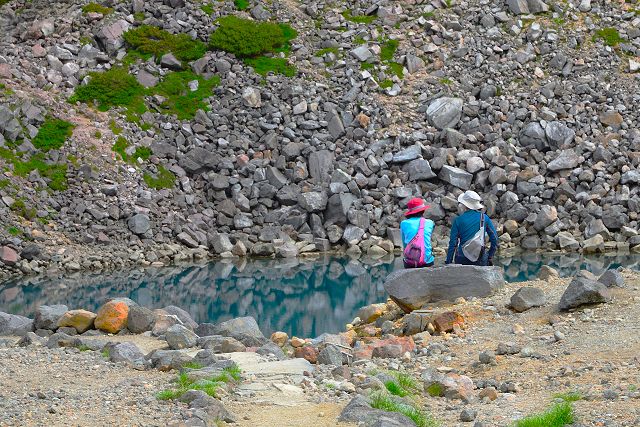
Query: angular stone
(410, 153)
(140, 319)
(527, 297)
(125, 352)
(81, 320)
(519, 7)
(12, 324)
(371, 313)
(583, 291)
(112, 317)
(321, 165)
(244, 329)
(8, 256)
(418, 170)
(559, 134)
(252, 97)
(456, 177)
(47, 316)
(313, 201)
(308, 352)
(547, 215)
(220, 344)
(110, 38)
(445, 112)
(568, 159)
(146, 79)
(445, 322)
(179, 337)
(533, 134)
(412, 288)
(166, 360)
(611, 118)
(139, 224)
(361, 53)
(360, 412)
(612, 279)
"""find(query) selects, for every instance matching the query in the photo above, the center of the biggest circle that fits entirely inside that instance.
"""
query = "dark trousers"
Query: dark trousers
(418, 266)
(461, 259)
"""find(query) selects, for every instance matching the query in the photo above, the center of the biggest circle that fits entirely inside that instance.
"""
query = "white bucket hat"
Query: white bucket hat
(471, 199)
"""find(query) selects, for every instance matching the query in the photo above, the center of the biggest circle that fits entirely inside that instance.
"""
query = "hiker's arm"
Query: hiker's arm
(453, 241)
(493, 237)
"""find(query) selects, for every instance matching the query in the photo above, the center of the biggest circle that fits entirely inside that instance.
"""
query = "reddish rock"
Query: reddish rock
(307, 352)
(369, 331)
(242, 160)
(5, 71)
(389, 351)
(8, 256)
(349, 337)
(112, 317)
(81, 320)
(297, 342)
(38, 51)
(388, 347)
(489, 393)
(445, 322)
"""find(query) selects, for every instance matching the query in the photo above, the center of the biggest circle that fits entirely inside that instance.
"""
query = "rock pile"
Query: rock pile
(405, 100)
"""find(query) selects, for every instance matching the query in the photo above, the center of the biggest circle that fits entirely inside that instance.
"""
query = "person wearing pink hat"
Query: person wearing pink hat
(416, 235)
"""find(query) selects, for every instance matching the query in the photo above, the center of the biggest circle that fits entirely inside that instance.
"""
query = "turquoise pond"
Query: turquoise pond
(304, 297)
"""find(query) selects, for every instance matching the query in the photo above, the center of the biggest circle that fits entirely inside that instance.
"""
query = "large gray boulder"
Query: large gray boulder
(244, 329)
(220, 344)
(445, 112)
(612, 279)
(184, 317)
(47, 316)
(139, 224)
(359, 411)
(140, 319)
(456, 177)
(582, 291)
(110, 36)
(412, 288)
(179, 337)
(527, 297)
(12, 324)
(127, 353)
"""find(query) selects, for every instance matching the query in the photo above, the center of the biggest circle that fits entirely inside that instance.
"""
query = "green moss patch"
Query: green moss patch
(117, 88)
(246, 38)
(96, 8)
(120, 147)
(52, 134)
(241, 4)
(610, 36)
(54, 174)
(207, 8)
(388, 49)
(557, 416)
(209, 385)
(164, 179)
(264, 65)
(358, 19)
(149, 41)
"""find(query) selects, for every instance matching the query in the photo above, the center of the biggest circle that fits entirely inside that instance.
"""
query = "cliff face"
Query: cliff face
(312, 125)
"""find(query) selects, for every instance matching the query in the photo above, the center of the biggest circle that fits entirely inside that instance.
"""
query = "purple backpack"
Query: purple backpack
(415, 251)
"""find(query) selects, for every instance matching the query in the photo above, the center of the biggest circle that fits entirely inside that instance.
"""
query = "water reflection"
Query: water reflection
(301, 297)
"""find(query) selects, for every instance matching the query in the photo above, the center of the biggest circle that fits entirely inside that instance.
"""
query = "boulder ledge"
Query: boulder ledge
(412, 288)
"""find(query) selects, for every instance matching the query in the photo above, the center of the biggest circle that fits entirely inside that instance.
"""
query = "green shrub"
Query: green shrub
(207, 8)
(139, 16)
(56, 174)
(610, 36)
(435, 390)
(209, 385)
(388, 49)
(141, 153)
(559, 415)
(386, 84)
(14, 231)
(164, 179)
(96, 8)
(362, 19)
(151, 41)
(387, 403)
(241, 4)
(113, 88)
(366, 66)
(120, 147)
(115, 129)
(4, 183)
(397, 69)
(180, 99)
(246, 38)
(52, 134)
(263, 65)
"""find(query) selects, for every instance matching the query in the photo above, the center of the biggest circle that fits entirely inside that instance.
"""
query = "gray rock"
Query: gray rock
(612, 279)
(199, 160)
(179, 337)
(140, 319)
(219, 242)
(456, 177)
(313, 201)
(413, 63)
(468, 415)
(445, 112)
(270, 348)
(252, 97)
(361, 53)
(220, 344)
(410, 153)
(166, 360)
(352, 234)
(321, 165)
(583, 291)
(110, 38)
(337, 208)
(568, 159)
(519, 7)
(12, 324)
(139, 224)
(260, 13)
(559, 134)
(47, 316)
(360, 411)
(533, 134)
(184, 317)
(330, 355)
(126, 352)
(244, 329)
(418, 170)
(412, 288)
(547, 215)
(527, 297)
(146, 79)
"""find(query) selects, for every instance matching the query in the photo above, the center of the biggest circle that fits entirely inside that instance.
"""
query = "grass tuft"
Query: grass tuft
(209, 385)
(557, 416)
(358, 19)
(164, 179)
(96, 8)
(610, 36)
(388, 49)
(52, 134)
(386, 403)
(148, 41)
(207, 8)
(181, 100)
(572, 396)
(435, 390)
(264, 65)
(120, 147)
(241, 4)
(402, 385)
(113, 88)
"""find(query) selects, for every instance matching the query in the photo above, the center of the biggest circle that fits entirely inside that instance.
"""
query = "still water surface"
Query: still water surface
(301, 297)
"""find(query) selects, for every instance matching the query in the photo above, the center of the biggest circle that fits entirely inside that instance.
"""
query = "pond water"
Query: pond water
(304, 297)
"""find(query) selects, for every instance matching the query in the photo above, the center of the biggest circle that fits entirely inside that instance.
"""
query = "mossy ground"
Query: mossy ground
(163, 179)
(559, 415)
(54, 174)
(361, 19)
(52, 134)
(610, 36)
(148, 41)
(96, 8)
(209, 385)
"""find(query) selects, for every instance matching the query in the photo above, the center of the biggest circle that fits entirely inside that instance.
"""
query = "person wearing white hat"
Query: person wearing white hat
(468, 233)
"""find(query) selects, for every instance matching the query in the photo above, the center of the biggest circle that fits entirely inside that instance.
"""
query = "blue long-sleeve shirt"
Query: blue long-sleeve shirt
(408, 230)
(465, 227)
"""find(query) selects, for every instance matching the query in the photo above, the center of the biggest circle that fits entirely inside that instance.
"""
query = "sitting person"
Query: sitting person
(467, 238)
(416, 235)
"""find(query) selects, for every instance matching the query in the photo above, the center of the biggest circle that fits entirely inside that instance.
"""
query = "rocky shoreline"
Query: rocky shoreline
(454, 360)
